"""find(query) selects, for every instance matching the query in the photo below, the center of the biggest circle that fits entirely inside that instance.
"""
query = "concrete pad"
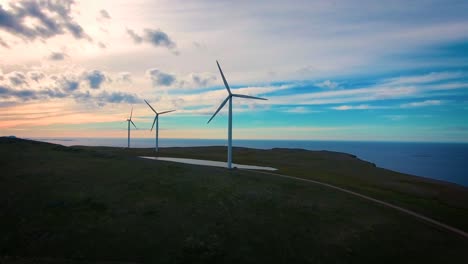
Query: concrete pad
(210, 163)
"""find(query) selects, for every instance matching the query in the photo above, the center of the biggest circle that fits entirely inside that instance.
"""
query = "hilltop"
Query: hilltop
(94, 204)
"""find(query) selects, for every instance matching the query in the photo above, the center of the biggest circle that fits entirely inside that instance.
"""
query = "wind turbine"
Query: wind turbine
(156, 120)
(229, 98)
(129, 120)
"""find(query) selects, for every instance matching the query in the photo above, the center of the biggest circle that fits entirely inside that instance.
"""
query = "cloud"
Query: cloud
(385, 89)
(425, 78)
(30, 20)
(102, 45)
(181, 81)
(297, 110)
(199, 45)
(136, 38)
(178, 102)
(36, 75)
(158, 38)
(328, 84)
(26, 94)
(202, 79)
(422, 104)
(17, 78)
(105, 97)
(160, 78)
(57, 56)
(155, 37)
(124, 77)
(85, 87)
(99, 99)
(355, 107)
(396, 117)
(68, 83)
(3, 43)
(117, 97)
(104, 14)
(76, 30)
(95, 79)
(30, 94)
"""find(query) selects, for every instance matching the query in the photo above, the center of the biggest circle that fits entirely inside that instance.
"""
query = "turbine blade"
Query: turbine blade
(248, 96)
(165, 112)
(150, 106)
(219, 108)
(133, 124)
(131, 113)
(153, 123)
(224, 79)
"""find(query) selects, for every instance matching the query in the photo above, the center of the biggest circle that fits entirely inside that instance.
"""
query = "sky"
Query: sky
(331, 70)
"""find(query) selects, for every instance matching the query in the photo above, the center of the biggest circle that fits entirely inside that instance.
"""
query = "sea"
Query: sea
(441, 161)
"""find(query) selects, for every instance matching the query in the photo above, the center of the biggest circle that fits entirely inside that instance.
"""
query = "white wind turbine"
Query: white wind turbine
(229, 98)
(156, 120)
(129, 120)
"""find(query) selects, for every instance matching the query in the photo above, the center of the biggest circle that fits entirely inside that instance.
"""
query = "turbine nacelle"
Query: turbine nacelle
(157, 114)
(130, 118)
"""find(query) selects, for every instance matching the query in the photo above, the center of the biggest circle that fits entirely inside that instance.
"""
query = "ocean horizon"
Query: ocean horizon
(440, 161)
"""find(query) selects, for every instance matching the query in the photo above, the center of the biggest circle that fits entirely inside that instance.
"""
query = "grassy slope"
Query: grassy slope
(439, 200)
(80, 204)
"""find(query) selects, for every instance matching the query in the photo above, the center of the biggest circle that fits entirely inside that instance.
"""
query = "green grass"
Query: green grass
(87, 205)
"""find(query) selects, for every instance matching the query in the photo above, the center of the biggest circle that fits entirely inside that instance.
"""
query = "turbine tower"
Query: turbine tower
(129, 120)
(229, 98)
(156, 120)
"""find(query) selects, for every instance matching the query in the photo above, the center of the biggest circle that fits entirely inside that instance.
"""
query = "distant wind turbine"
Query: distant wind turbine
(229, 98)
(156, 120)
(129, 120)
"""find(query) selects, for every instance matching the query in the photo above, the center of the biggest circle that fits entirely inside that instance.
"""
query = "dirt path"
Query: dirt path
(401, 209)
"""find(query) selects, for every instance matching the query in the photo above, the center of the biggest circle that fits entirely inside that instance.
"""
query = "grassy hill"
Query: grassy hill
(94, 204)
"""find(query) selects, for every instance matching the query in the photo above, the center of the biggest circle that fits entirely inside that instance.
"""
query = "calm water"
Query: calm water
(443, 161)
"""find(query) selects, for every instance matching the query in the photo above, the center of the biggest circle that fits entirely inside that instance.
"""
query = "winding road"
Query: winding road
(398, 208)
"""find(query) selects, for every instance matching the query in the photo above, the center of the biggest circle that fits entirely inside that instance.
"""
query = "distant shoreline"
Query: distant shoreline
(439, 161)
(223, 139)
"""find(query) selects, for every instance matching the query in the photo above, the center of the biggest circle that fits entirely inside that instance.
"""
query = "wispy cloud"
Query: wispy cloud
(356, 107)
(327, 84)
(396, 117)
(422, 104)
(297, 110)
(381, 91)
(426, 78)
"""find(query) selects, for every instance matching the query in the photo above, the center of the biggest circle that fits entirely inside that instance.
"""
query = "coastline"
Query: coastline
(422, 159)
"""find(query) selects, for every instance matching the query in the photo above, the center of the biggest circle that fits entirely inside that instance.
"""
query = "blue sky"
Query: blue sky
(341, 70)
